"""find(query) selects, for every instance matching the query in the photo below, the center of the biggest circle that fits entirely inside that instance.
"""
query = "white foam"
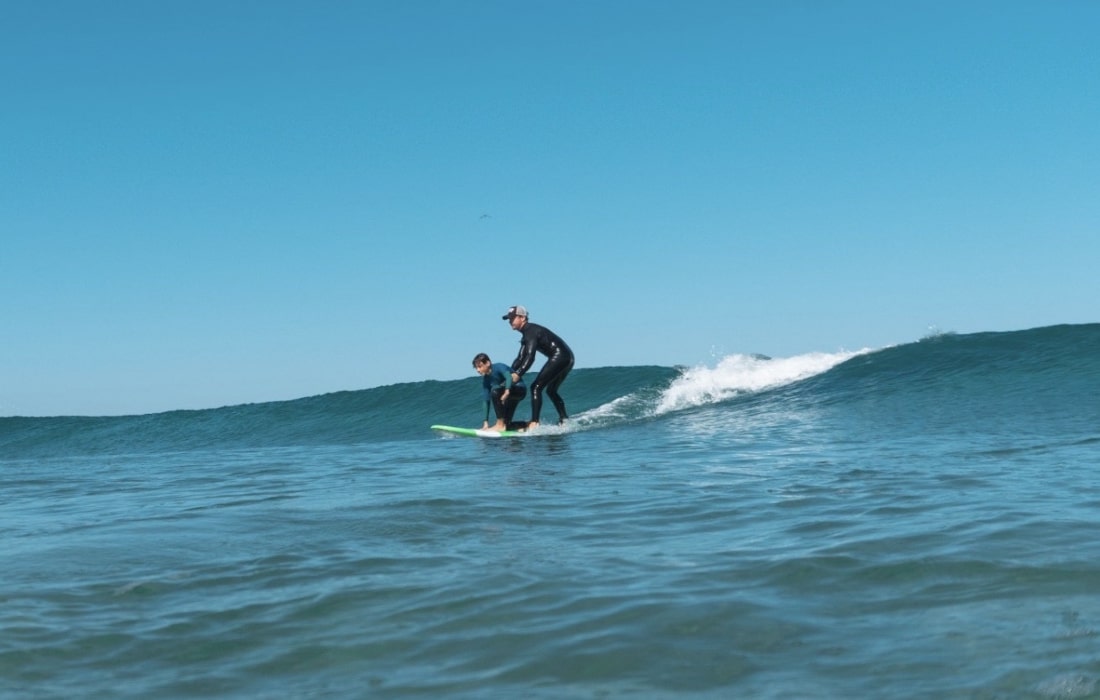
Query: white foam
(738, 374)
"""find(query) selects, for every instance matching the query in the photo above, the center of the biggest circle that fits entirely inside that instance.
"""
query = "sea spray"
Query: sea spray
(738, 374)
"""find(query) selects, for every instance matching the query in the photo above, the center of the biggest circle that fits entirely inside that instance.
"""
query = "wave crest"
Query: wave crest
(738, 374)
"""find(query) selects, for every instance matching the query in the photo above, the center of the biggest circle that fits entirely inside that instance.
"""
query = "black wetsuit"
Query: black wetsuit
(559, 361)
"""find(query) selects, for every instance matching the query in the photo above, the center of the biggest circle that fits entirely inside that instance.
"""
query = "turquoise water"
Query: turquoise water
(914, 522)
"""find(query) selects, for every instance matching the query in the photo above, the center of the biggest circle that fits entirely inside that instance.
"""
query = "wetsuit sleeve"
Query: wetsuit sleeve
(526, 356)
(486, 383)
(504, 372)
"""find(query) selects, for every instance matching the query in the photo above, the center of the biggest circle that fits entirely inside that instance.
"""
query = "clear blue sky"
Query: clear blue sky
(217, 202)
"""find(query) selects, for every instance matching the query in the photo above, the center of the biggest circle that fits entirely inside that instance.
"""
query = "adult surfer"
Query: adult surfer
(559, 360)
(500, 391)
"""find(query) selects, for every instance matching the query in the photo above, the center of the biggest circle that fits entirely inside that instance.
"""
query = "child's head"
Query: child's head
(482, 363)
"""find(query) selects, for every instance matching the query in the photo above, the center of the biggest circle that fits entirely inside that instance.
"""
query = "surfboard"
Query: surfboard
(477, 432)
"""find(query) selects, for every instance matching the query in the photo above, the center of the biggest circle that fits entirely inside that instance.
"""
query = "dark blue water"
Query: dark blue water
(914, 522)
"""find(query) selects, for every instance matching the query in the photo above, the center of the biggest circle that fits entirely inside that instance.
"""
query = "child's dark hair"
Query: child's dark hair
(481, 358)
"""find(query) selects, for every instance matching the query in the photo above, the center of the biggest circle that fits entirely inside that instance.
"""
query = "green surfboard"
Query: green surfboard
(477, 432)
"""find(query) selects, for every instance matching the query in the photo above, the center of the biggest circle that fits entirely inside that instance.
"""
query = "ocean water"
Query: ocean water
(919, 521)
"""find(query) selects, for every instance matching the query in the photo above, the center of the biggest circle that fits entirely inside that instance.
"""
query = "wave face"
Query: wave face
(1034, 382)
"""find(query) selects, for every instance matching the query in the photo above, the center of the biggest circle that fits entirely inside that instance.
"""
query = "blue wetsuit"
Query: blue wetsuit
(496, 383)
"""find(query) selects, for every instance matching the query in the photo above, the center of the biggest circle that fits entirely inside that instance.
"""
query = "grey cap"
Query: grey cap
(514, 311)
